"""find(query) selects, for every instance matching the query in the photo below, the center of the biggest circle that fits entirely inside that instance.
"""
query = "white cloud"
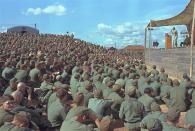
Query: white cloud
(123, 34)
(56, 9)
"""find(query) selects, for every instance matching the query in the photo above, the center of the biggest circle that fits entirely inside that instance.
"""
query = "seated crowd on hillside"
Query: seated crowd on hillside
(60, 83)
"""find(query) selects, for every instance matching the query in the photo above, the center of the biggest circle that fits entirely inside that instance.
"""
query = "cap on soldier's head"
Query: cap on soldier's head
(116, 88)
(131, 91)
(173, 115)
(152, 125)
(155, 107)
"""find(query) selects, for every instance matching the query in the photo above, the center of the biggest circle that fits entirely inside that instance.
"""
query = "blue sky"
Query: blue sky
(104, 22)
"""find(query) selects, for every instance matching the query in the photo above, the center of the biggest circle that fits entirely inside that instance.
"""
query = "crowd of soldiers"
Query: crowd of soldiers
(60, 83)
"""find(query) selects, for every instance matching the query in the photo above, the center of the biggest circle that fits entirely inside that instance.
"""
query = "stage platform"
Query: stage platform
(176, 61)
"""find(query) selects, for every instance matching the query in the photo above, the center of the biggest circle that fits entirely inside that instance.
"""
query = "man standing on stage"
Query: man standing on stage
(175, 36)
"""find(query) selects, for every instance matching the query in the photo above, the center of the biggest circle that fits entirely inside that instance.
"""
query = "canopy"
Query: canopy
(184, 18)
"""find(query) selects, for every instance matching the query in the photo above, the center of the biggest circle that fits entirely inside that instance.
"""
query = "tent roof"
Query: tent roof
(184, 18)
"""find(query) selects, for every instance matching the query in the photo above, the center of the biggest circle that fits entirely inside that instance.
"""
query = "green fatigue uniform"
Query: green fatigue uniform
(74, 69)
(106, 80)
(121, 82)
(141, 82)
(75, 110)
(96, 77)
(8, 91)
(46, 91)
(151, 125)
(154, 115)
(156, 88)
(116, 98)
(178, 99)
(185, 84)
(99, 106)
(154, 72)
(99, 85)
(146, 100)
(72, 125)
(87, 96)
(34, 113)
(106, 92)
(167, 127)
(82, 85)
(52, 99)
(21, 75)
(57, 113)
(190, 117)
(165, 93)
(8, 73)
(59, 84)
(128, 83)
(131, 112)
(74, 86)
(5, 116)
(163, 76)
(143, 87)
(10, 127)
(115, 74)
(34, 75)
(193, 98)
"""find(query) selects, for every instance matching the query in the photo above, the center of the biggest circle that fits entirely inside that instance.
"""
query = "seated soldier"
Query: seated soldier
(76, 121)
(147, 99)
(132, 111)
(155, 114)
(98, 104)
(152, 125)
(172, 120)
(79, 104)
(57, 111)
(12, 87)
(5, 111)
(19, 123)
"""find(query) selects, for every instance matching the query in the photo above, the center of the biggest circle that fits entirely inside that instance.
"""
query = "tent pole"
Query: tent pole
(192, 43)
(145, 42)
(150, 41)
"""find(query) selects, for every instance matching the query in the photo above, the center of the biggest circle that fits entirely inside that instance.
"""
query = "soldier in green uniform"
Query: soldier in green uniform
(74, 84)
(8, 72)
(20, 123)
(108, 90)
(121, 81)
(178, 97)
(152, 125)
(154, 73)
(5, 111)
(147, 99)
(59, 82)
(163, 76)
(57, 110)
(116, 97)
(35, 75)
(12, 87)
(76, 122)
(22, 74)
(172, 120)
(98, 104)
(154, 114)
(132, 111)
